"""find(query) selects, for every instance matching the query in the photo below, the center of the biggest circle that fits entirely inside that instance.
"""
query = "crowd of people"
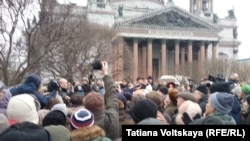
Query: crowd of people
(84, 112)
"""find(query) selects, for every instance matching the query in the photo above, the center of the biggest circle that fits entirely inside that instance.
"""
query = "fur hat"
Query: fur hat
(187, 96)
(246, 89)
(58, 132)
(81, 118)
(191, 109)
(222, 102)
(25, 131)
(220, 87)
(143, 109)
(120, 105)
(60, 107)
(4, 122)
(94, 102)
(33, 78)
(55, 117)
(237, 90)
(22, 108)
(203, 89)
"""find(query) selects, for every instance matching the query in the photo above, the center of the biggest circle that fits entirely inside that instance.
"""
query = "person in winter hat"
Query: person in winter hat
(31, 85)
(106, 113)
(187, 112)
(60, 107)
(246, 89)
(83, 128)
(220, 87)
(184, 96)
(143, 109)
(225, 87)
(23, 108)
(81, 118)
(163, 91)
(220, 104)
(25, 131)
(201, 96)
(55, 117)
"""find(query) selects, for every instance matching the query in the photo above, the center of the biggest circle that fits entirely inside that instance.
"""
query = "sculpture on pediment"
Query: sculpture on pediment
(195, 5)
(231, 14)
(215, 18)
(204, 4)
(170, 19)
(120, 10)
(170, 1)
(235, 33)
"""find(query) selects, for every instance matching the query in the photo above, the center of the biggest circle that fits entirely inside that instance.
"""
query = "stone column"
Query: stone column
(144, 62)
(206, 52)
(150, 58)
(214, 50)
(182, 57)
(163, 57)
(190, 57)
(177, 60)
(211, 6)
(191, 7)
(135, 57)
(120, 61)
(202, 58)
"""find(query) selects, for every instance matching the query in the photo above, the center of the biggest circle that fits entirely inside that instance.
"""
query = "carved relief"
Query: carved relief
(170, 19)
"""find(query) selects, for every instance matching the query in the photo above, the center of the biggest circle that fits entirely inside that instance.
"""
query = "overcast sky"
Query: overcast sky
(221, 7)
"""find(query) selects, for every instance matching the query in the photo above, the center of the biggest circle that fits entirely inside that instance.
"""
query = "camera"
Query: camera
(53, 85)
(96, 65)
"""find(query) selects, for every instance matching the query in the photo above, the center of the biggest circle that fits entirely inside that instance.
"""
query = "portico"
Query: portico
(171, 47)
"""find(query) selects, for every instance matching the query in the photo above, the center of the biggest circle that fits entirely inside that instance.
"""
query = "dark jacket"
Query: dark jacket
(30, 86)
(202, 102)
(109, 118)
(236, 111)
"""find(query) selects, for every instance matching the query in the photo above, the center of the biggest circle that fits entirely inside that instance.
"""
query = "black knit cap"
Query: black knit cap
(25, 131)
(143, 109)
(220, 87)
(203, 89)
(164, 90)
(55, 117)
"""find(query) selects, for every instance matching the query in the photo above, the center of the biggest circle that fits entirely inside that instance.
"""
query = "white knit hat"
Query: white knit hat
(22, 108)
(60, 107)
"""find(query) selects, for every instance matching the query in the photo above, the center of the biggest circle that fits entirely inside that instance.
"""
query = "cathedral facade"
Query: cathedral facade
(166, 39)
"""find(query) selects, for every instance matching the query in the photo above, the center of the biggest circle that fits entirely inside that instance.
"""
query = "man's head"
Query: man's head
(63, 83)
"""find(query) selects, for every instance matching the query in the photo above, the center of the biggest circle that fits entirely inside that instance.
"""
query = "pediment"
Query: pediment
(170, 17)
